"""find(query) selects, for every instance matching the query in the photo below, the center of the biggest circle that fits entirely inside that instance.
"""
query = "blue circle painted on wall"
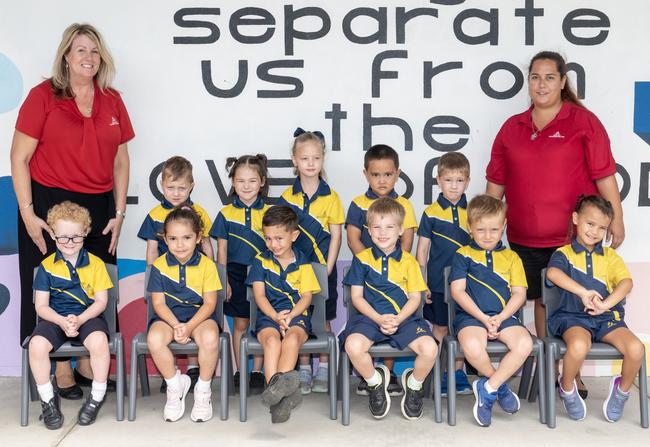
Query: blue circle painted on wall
(4, 298)
(11, 84)
(9, 220)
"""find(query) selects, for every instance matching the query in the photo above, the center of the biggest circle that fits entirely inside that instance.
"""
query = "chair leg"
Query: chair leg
(437, 399)
(231, 373)
(451, 384)
(243, 379)
(524, 383)
(119, 388)
(550, 384)
(144, 375)
(332, 378)
(133, 380)
(344, 366)
(24, 389)
(534, 385)
(539, 384)
(643, 393)
(224, 352)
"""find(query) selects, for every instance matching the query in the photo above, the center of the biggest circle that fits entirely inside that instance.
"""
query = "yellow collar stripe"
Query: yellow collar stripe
(503, 302)
(448, 238)
(389, 299)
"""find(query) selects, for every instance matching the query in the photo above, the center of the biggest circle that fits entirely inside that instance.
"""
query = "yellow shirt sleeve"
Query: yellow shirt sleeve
(414, 281)
(101, 278)
(517, 272)
(410, 221)
(308, 280)
(616, 269)
(205, 219)
(336, 213)
(211, 281)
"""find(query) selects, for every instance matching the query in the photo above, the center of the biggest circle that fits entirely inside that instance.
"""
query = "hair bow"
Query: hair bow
(299, 131)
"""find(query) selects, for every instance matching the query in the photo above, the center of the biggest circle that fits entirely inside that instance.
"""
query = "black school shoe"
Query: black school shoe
(73, 392)
(256, 383)
(89, 410)
(412, 402)
(281, 385)
(85, 381)
(378, 397)
(51, 414)
(394, 388)
(362, 387)
(281, 411)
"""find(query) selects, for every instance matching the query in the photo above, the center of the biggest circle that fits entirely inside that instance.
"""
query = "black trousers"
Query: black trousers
(101, 208)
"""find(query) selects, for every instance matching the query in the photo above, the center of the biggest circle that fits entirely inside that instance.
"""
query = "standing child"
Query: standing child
(488, 284)
(381, 169)
(183, 286)
(593, 280)
(386, 286)
(283, 282)
(177, 183)
(320, 217)
(238, 230)
(443, 230)
(70, 296)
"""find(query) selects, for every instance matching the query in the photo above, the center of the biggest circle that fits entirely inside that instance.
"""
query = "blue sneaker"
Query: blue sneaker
(508, 401)
(484, 402)
(573, 403)
(462, 384)
(443, 385)
(615, 402)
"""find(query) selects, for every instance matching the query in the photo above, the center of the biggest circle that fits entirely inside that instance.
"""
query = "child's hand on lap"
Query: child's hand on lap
(597, 306)
(588, 297)
(181, 334)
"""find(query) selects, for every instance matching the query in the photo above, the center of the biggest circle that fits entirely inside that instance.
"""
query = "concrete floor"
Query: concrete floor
(310, 425)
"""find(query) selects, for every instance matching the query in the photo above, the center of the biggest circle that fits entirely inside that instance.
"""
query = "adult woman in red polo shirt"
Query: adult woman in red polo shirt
(542, 160)
(70, 143)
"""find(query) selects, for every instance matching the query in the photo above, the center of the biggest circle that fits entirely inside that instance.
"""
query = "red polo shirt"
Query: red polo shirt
(543, 176)
(74, 152)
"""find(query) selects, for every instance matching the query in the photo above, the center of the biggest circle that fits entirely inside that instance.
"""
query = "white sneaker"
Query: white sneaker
(202, 409)
(175, 406)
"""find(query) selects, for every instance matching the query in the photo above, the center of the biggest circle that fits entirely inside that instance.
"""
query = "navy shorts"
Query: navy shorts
(598, 326)
(263, 322)
(535, 259)
(53, 333)
(408, 331)
(436, 312)
(238, 306)
(332, 297)
(464, 320)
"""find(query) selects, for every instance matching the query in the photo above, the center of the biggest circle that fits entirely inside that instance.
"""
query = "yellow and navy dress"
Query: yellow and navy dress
(241, 226)
(183, 285)
(316, 214)
(445, 225)
(283, 287)
(490, 276)
(600, 270)
(387, 281)
(152, 227)
(359, 209)
(72, 290)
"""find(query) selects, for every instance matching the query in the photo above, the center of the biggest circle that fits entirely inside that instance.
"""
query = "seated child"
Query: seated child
(593, 280)
(488, 284)
(183, 284)
(71, 293)
(386, 286)
(283, 282)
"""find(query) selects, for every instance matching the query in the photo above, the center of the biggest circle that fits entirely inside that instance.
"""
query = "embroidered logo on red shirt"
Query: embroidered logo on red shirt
(556, 135)
(114, 122)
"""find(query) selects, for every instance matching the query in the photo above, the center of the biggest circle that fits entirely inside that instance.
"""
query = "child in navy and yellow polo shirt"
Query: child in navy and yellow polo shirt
(283, 283)
(320, 218)
(238, 230)
(183, 284)
(488, 284)
(71, 293)
(386, 286)
(381, 169)
(442, 231)
(594, 281)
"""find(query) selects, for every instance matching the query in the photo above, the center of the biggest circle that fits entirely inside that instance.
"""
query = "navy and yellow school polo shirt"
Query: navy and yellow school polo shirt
(152, 227)
(184, 284)
(241, 226)
(445, 224)
(283, 287)
(490, 275)
(315, 215)
(386, 279)
(72, 288)
(600, 270)
(359, 208)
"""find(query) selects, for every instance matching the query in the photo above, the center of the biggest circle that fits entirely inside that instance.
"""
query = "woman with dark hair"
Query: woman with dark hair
(70, 143)
(542, 160)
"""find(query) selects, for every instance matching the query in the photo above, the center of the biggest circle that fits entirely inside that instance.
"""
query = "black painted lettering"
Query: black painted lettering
(585, 18)
(290, 31)
(235, 90)
(336, 115)
(430, 71)
(264, 73)
(370, 121)
(252, 17)
(378, 74)
(180, 20)
(445, 125)
(517, 84)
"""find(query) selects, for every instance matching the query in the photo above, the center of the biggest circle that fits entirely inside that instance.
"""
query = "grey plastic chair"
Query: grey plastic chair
(556, 348)
(115, 346)
(323, 343)
(139, 350)
(382, 350)
(495, 349)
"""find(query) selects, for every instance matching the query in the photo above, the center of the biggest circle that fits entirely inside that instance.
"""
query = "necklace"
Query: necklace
(536, 131)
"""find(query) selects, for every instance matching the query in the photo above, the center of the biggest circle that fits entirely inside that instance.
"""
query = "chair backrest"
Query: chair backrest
(451, 304)
(317, 301)
(221, 294)
(351, 310)
(110, 313)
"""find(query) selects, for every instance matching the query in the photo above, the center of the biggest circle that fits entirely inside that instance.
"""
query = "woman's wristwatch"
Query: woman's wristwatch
(120, 213)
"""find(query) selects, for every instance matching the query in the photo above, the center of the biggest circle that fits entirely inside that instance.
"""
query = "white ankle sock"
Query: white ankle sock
(323, 365)
(414, 383)
(488, 388)
(202, 385)
(305, 368)
(374, 380)
(46, 391)
(98, 391)
(174, 381)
